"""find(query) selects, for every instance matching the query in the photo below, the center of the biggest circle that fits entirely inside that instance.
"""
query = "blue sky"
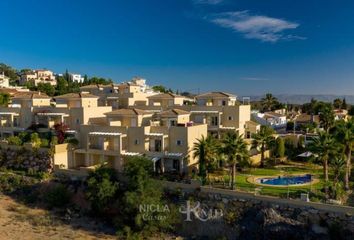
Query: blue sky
(242, 46)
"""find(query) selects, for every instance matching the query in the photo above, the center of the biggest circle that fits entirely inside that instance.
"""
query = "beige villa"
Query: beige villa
(36, 108)
(132, 132)
(38, 76)
(113, 122)
(127, 94)
(216, 99)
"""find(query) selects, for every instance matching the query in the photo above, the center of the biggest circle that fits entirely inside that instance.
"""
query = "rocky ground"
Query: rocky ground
(18, 221)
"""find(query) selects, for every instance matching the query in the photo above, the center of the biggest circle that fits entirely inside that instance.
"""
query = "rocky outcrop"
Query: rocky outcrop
(252, 219)
(26, 159)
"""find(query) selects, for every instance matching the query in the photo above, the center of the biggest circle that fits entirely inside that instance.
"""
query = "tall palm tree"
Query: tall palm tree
(324, 146)
(235, 149)
(264, 140)
(345, 135)
(269, 102)
(204, 149)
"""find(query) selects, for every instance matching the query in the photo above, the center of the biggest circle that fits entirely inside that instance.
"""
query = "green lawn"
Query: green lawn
(243, 185)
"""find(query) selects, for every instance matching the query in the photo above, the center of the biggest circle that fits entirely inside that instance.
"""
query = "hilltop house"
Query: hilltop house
(271, 119)
(38, 76)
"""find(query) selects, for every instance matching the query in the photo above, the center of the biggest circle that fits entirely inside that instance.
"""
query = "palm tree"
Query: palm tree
(324, 146)
(204, 149)
(337, 164)
(269, 102)
(263, 140)
(345, 135)
(235, 149)
(327, 118)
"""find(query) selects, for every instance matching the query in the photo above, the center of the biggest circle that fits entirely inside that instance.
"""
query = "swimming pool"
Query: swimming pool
(289, 180)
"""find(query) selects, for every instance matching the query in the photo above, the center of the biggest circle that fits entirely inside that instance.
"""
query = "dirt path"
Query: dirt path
(17, 221)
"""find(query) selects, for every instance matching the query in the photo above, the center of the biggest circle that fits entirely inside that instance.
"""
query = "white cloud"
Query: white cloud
(209, 2)
(266, 29)
(255, 79)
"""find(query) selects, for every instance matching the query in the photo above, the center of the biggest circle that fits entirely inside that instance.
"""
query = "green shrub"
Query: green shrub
(14, 140)
(10, 182)
(25, 137)
(35, 140)
(57, 196)
(44, 143)
(54, 141)
(102, 187)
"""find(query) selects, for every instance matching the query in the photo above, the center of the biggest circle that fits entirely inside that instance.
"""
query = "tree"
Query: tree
(4, 99)
(30, 85)
(102, 186)
(337, 103)
(142, 191)
(351, 111)
(309, 108)
(280, 147)
(344, 132)
(9, 72)
(290, 126)
(338, 164)
(326, 117)
(344, 104)
(98, 80)
(204, 149)
(62, 86)
(324, 146)
(60, 129)
(159, 88)
(269, 102)
(46, 88)
(235, 149)
(264, 140)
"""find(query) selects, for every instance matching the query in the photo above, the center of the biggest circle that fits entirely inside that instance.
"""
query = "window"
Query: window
(175, 164)
(133, 122)
(179, 142)
(248, 134)
(214, 121)
(173, 123)
(230, 118)
(77, 121)
(136, 142)
(223, 102)
(16, 122)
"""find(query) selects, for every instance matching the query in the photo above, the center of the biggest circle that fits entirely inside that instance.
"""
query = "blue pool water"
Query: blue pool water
(290, 180)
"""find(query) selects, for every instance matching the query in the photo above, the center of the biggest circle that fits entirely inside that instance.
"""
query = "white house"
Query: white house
(4, 81)
(271, 119)
(76, 77)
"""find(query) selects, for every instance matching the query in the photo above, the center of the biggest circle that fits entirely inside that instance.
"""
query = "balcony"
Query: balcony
(110, 142)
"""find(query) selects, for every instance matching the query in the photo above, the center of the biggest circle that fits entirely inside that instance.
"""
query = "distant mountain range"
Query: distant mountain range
(303, 98)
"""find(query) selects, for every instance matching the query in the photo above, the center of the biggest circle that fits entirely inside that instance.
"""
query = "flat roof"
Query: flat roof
(52, 114)
(155, 134)
(105, 133)
(205, 111)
